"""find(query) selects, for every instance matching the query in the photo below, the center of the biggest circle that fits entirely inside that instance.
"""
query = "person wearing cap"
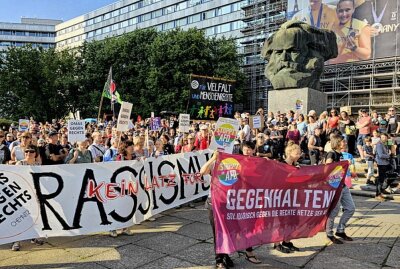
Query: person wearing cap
(203, 138)
(9, 140)
(54, 152)
(363, 125)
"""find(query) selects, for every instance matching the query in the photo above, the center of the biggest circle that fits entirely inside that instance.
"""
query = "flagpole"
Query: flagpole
(101, 103)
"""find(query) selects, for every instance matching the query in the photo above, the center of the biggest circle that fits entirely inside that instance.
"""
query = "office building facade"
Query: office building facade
(216, 18)
(37, 32)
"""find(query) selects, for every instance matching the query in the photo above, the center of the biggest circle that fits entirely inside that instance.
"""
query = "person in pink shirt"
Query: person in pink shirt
(364, 129)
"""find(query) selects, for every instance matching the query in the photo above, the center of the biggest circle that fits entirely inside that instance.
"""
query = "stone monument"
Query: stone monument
(296, 54)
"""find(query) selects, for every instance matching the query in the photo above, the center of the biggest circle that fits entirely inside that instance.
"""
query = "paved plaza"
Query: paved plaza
(182, 238)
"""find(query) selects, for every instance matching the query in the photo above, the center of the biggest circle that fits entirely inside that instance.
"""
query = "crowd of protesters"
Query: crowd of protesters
(291, 137)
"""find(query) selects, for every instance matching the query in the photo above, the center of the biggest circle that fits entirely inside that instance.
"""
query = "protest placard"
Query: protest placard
(184, 123)
(155, 123)
(76, 131)
(224, 135)
(256, 122)
(23, 125)
(211, 98)
(124, 117)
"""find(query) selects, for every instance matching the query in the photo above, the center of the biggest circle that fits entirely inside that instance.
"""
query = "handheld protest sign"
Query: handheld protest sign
(256, 122)
(155, 123)
(124, 116)
(76, 131)
(23, 125)
(224, 135)
(184, 123)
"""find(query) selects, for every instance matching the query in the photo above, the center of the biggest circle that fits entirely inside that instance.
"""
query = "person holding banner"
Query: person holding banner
(79, 155)
(338, 144)
(292, 154)
(222, 259)
(203, 139)
(111, 153)
(31, 154)
(189, 147)
(168, 148)
(96, 148)
(139, 150)
(5, 154)
(125, 151)
(17, 153)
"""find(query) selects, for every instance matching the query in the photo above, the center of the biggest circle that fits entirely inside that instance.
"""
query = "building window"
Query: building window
(194, 18)
(133, 21)
(115, 26)
(223, 10)
(124, 24)
(97, 19)
(181, 6)
(106, 29)
(147, 2)
(157, 13)
(194, 2)
(168, 25)
(115, 13)
(124, 10)
(170, 9)
(209, 14)
(90, 34)
(89, 22)
(106, 16)
(133, 7)
(182, 22)
(146, 17)
(98, 32)
(210, 31)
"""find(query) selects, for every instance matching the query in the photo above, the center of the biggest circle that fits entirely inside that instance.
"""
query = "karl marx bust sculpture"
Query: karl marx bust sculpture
(296, 54)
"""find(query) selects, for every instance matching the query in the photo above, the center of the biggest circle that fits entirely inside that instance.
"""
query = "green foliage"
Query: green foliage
(5, 124)
(151, 70)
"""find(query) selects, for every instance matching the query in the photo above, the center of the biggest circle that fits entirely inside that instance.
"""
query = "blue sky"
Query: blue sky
(10, 11)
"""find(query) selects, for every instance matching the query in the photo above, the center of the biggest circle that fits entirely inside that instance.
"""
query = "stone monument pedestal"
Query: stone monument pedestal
(301, 100)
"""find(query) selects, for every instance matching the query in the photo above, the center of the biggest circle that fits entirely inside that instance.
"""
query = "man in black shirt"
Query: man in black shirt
(55, 153)
(393, 126)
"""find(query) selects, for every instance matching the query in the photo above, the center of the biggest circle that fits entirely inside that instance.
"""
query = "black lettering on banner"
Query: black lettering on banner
(43, 199)
(141, 184)
(150, 178)
(162, 198)
(113, 213)
(3, 179)
(78, 212)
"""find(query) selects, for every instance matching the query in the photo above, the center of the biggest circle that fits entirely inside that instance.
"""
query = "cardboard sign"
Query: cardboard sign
(184, 123)
(346, 109)
(124, 116)
(76, 131)
(224, 135)
(23, 125)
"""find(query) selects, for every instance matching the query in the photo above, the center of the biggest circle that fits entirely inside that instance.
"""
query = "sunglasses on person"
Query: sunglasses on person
(30, 151)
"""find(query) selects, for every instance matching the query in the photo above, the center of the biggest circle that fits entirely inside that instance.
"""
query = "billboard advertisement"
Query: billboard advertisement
(365, 29)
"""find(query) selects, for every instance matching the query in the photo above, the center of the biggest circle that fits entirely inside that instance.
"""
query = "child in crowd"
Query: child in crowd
(369, 158)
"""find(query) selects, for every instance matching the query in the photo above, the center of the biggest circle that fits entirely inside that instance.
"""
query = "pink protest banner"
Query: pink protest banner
(257, 201)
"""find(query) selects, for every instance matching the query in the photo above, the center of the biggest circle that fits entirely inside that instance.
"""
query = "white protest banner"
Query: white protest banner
(124, 116)
(224, 135)
(184, 123)
(76, 199)
(76, 130)
(23, 125)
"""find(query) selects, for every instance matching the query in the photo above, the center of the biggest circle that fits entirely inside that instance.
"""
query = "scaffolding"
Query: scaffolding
(373, 85)
(261, 18)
